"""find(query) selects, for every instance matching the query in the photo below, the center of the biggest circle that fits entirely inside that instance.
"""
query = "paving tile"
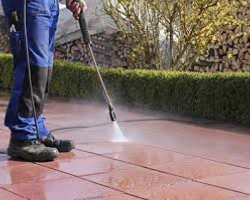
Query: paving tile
(76, 112)
(5, 195)
(51, 127)
(6, 161)
(106, 133)
(238, 156)
(74, 154)
(4, 132)
(119, 197)
(147, 156)
(137, 181)
(219, 145)
(194, 191)
(67, 157)
(109, 147)
(196, 168)
(87, 165)
(239, 182)
(63, 189)
(96, 113)
(85, 135)
(2, 126)
(152, 185)
(4, 139)
(27, 172)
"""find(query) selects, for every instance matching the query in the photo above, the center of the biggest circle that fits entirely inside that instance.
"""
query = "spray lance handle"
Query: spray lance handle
(83, 25)
(87, 41)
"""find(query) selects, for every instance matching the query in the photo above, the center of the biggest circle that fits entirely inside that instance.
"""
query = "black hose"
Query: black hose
(28, 65)
(134, 121)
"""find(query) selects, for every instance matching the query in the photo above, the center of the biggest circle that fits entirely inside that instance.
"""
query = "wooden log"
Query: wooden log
(235, 64)
(212, 69)
(245, 67)
(221, 66)
(225, 48)
(216, 67)
(235, 52)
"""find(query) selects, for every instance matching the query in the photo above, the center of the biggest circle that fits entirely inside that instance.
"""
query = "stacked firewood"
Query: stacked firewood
(4, 42)
(108, 51)
(4, 37)
(231, 52)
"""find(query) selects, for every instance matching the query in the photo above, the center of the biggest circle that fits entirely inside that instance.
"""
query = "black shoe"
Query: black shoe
(31, 150)
(61, 145)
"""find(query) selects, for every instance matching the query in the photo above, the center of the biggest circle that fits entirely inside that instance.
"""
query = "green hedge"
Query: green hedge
(220, 96)
(5, 70)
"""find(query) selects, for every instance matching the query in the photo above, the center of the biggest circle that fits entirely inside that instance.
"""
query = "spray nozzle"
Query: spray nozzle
(112, 113)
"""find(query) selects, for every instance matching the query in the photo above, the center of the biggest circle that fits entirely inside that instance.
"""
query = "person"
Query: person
(42, 18)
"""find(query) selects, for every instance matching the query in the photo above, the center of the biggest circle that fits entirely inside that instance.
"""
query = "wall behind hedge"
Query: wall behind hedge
(222, 96)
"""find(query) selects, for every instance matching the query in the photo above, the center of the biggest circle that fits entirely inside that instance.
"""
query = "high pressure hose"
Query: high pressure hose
(28, 66)
(88, 42)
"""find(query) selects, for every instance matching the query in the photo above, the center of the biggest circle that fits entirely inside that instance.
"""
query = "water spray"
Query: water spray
(88, 42)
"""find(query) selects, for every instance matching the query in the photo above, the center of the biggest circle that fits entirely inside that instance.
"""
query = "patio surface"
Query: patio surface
(175, 159)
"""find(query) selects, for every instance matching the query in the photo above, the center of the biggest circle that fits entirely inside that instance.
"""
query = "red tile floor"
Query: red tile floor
(165, 158)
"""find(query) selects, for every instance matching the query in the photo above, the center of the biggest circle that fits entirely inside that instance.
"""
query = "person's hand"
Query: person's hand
(76, 7)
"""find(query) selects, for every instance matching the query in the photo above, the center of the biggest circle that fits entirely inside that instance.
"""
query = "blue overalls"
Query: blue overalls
(42, 17)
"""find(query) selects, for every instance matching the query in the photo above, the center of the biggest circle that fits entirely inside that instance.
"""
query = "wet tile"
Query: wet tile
(217, 144)
(74, 154)
(137, 181)
(109, 147)
(152, 185)
(214, 144)
(27, 173)
(119, 197)
(196, 168)
(194, 191)
(237, 182)
(147, 156)
(6, 161)
(96, 113)
(86, 166)
(238, 156)
(67, 157)
(4, 132)
(4, 139)
(85, 135)
(107, 132)
(51, 126)
(63, 189)
(5, 195)
(3, 127)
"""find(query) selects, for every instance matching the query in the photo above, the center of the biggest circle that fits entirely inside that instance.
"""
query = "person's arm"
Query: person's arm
(75, 7)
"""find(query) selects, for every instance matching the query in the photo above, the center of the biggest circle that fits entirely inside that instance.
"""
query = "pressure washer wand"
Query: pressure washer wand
(88, 42)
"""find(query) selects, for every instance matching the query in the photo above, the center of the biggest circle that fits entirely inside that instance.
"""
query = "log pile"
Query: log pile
(4, 42)
(232, 51)
(4, 37)
(108, 51)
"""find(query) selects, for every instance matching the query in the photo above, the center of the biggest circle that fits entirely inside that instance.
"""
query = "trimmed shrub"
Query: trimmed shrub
(219, 96)
(5, 70)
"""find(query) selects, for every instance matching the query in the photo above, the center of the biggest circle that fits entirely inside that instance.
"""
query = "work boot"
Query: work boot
(31, 150)
(61, 145)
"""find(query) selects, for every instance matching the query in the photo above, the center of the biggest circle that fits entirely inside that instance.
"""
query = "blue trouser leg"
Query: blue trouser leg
(42, 17)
